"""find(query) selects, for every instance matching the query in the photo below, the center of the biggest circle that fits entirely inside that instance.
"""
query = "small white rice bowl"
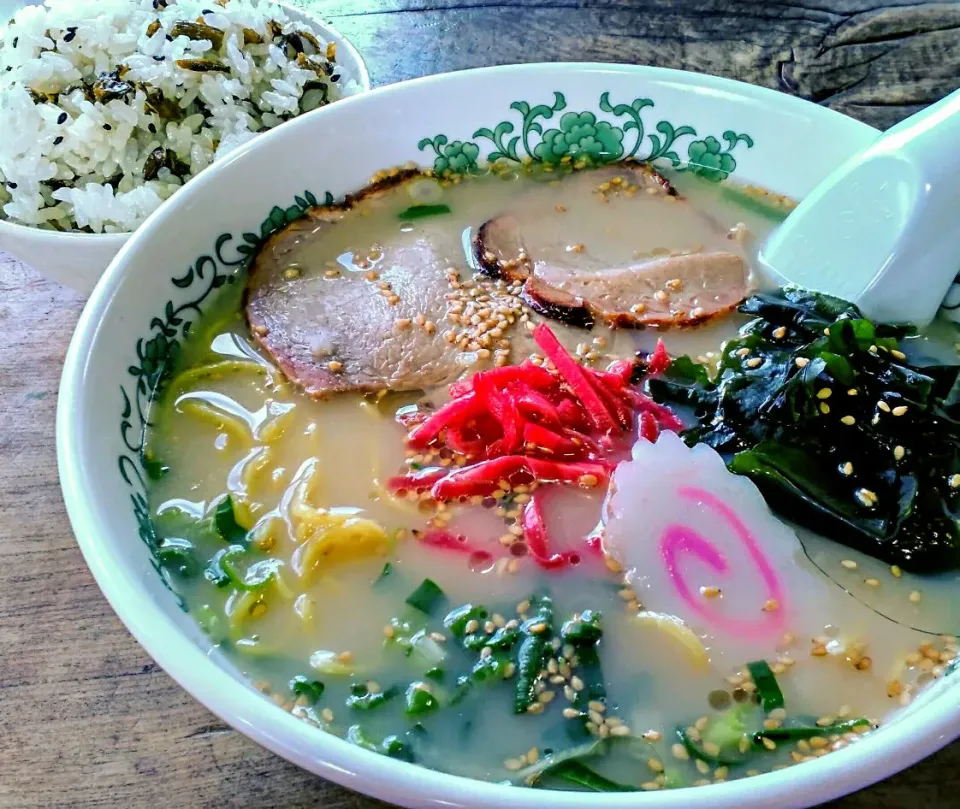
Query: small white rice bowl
(107, 107)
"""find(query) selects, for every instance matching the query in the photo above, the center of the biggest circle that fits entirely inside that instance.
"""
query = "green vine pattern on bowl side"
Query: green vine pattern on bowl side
(157, 356)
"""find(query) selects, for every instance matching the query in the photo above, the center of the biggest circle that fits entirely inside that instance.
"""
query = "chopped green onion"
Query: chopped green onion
(436, 673)
(155, 469)
(584, 634)
(427, 597)
(393, 747)
(492, 666)
(462, 691)
(420, 700)
(530, 775)
(208, 620)
(457, 620)
(326, 662)
(728, 729)
(422, 211)
(808, 732)
(257, 576)
(532, 652)
(218, 570)
(226, 522)
(358, 736)
(768, 690)
(302, 687)
(574, 772)
(362, 699)
(427, 648)
(386, 571)
(721, 759)
(177, 554)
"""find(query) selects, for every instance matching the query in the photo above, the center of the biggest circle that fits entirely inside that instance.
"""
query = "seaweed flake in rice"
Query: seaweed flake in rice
(92, 92)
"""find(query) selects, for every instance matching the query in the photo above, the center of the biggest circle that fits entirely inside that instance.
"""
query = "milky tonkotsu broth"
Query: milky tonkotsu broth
(242, 429)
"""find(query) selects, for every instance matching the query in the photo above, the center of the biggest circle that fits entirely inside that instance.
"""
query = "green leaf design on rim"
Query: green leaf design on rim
(584, 138)
(581, 136)
(458, 157)
(708, 159)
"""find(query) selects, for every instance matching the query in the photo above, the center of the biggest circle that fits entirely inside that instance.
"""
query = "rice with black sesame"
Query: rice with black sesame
(108, 106)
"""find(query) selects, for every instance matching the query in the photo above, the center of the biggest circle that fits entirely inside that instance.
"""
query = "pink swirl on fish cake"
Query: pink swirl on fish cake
(678, 539)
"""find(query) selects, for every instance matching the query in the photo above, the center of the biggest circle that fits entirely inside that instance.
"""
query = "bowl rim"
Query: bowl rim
(62, 237)
(876, 756)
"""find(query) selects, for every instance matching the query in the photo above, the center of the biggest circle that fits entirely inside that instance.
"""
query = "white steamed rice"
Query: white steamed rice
(71, 162)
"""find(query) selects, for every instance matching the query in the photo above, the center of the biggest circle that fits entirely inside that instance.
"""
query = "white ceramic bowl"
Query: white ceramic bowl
(196, 241)
(78, 260)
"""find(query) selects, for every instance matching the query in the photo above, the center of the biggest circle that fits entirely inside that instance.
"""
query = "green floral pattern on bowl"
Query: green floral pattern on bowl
(583, 139)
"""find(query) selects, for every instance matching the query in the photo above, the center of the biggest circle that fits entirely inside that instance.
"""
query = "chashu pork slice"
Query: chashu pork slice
(568, 283)
(351, 332)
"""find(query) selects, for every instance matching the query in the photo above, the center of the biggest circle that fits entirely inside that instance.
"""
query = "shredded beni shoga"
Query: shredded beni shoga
(527, 425)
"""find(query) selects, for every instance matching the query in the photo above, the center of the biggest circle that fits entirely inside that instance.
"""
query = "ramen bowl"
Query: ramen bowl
(200, 239)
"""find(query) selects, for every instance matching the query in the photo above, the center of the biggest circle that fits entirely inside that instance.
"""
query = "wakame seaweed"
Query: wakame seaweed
(822, 409)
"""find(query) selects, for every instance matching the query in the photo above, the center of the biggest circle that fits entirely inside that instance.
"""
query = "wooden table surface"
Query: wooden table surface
(86, 718)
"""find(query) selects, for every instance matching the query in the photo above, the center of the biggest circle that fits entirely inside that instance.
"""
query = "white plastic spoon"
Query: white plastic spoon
(883, 230)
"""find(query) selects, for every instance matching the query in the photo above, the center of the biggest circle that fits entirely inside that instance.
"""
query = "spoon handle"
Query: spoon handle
(929, 138)
(921, 196)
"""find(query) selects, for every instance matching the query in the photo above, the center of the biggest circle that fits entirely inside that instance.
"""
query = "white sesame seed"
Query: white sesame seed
(801, 362)
(898, 452)
(849, 564)
(915, 597)
(848, 420)
(899, 410)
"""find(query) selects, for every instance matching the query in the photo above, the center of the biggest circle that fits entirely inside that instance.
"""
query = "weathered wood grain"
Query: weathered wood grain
(86, 718)
(877, 60)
